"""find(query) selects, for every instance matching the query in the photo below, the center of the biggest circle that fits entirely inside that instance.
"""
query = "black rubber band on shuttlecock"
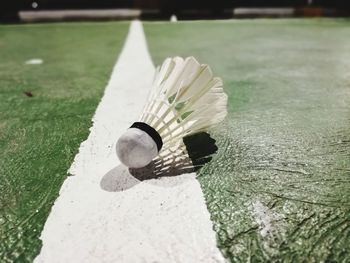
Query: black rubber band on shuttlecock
(150, 131)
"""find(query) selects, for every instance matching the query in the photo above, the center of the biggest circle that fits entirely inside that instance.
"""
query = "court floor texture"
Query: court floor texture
(277, 189)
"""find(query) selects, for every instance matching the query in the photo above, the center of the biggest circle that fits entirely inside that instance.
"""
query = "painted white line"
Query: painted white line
(173, 18)
(162, 220)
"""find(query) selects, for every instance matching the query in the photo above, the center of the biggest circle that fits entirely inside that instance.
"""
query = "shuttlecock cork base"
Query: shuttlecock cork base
(139, 145)
(185, 99)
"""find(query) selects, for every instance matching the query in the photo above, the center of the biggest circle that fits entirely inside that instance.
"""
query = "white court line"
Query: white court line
(162, 220)
(173, 18)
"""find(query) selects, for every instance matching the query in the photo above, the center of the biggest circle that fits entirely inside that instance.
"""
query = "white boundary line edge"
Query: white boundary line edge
(164, 220)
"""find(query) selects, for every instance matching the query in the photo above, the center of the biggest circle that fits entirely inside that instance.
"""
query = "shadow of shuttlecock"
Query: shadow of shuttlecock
(200, 148)
(196, 151)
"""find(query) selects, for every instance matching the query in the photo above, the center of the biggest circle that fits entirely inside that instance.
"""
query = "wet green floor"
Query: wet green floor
(279, 187)
(40, 135)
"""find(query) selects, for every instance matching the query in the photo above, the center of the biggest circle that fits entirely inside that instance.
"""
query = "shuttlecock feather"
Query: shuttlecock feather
(185, 99)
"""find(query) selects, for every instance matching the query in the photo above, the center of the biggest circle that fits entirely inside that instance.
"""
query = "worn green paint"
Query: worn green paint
(40, 135)
(285, 146)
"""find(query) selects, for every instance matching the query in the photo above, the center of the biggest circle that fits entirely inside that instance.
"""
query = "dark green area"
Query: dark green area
(284, 151)
(40, 135)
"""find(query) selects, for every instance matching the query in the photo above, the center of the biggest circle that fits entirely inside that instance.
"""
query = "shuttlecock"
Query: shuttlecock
(185, 99)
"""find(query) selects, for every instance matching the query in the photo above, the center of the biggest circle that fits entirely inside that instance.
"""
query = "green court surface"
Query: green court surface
(278, 188)
(40, 135)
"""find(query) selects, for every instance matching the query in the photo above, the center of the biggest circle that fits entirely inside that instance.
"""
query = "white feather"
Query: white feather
(185, 99)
